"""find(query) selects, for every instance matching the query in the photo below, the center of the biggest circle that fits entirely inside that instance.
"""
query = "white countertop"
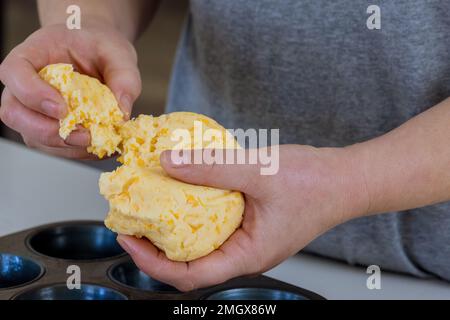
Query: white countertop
(36, 189)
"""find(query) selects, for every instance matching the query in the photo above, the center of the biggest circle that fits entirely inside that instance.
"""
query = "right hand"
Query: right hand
(32, 107)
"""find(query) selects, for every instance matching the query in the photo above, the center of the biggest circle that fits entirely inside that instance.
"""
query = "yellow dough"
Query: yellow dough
(90, 104)
(185, 221)
(145, 137)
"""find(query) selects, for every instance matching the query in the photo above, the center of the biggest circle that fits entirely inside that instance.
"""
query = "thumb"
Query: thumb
(241, 177)
(122, 76)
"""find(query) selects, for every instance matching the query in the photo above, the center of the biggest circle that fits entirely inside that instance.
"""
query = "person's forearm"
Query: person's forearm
(408, 167)
(128, 16)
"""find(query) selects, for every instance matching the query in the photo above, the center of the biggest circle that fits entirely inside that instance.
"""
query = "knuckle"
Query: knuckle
(29, 95)
(2, 71)
(4, 66)
(45, 135)
(131, 83)
(7, 115)
(2, 111)
(29, 142)
(132, 51)
(138, 88)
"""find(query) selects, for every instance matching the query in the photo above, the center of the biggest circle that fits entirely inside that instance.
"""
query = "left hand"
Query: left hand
(314, 190)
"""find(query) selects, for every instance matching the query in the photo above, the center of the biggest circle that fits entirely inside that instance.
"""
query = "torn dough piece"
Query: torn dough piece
(146, 137)
(90, 104)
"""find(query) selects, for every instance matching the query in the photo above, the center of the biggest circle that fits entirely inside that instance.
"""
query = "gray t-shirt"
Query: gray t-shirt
(315, 70)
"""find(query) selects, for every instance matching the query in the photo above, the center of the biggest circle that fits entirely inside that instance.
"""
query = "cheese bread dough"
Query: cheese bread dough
(185, 221)
(145, 137)
(90, 104)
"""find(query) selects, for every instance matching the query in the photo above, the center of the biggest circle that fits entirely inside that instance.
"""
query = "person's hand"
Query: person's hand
(32, 107)
(314, 190)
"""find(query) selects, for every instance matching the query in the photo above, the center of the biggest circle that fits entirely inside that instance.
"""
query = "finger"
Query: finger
(74, 153)
(69, 153)
(242, 177)
(221, 265)
(79, 138)
(231, 260)
(21, 78)
(121, 75)
(41, 128)
(154, 262)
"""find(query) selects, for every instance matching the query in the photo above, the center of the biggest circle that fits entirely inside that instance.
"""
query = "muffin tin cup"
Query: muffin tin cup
(34, 264)
(128, 275)
(75, 242)
(255, 294)
(61, 292)
(16, 271)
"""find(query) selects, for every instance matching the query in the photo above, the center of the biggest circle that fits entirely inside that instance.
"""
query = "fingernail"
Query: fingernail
(53, 109)
(125, 105)
(79, 139)
(123, 243)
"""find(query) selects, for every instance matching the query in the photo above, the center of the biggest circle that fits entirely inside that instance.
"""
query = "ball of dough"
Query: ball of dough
(183, 220)
(90, 104)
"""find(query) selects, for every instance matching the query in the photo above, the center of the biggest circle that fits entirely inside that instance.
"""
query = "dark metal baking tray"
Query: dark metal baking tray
(34, 262)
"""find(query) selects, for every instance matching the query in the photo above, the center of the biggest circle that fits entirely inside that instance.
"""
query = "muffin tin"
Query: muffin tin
(34, 262)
